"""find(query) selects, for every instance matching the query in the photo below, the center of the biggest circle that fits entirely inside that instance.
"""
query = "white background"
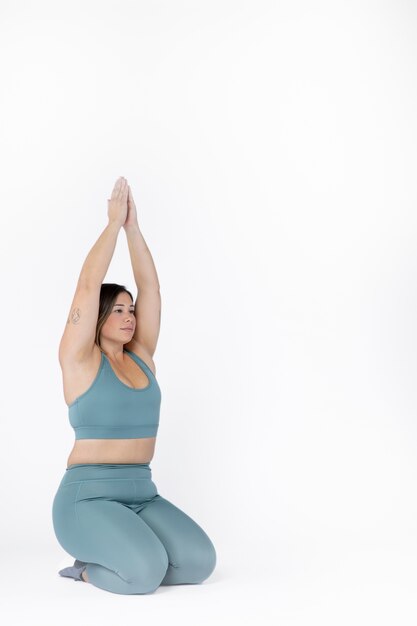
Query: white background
(271, 151)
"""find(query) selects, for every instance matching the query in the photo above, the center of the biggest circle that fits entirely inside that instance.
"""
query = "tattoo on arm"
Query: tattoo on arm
(75, 316)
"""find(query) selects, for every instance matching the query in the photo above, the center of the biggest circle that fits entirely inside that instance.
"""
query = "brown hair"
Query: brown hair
(108, 295)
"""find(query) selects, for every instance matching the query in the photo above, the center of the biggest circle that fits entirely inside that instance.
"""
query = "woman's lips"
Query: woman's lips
(129, 329)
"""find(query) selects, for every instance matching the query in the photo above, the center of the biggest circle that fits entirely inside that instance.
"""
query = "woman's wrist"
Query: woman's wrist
(131, 227)
(114, 224)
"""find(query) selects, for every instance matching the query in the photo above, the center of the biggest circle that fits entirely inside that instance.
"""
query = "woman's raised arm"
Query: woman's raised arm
(78, 338)
(98, 259)
(148, 302)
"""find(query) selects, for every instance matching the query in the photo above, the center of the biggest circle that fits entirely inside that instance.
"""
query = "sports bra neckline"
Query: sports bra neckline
(103, 355)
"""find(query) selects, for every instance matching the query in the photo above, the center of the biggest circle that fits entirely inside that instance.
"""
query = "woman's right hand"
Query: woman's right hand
(117, 205)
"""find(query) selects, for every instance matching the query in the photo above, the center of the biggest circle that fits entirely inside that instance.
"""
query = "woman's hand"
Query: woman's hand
(132, 217)
(117, 205)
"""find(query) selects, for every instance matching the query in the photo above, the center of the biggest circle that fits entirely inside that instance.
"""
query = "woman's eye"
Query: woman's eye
(121, 311)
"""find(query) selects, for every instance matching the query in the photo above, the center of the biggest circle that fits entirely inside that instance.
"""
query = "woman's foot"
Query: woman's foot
(78, 563)
(75, 572)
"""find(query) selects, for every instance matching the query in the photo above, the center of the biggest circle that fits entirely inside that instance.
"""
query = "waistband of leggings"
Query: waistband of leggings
(94, 471)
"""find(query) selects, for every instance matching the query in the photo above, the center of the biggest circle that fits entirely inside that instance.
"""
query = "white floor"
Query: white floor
(323, 580)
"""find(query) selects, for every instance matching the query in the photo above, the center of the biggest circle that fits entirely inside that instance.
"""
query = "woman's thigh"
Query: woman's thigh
(111, 535)
(191, 553)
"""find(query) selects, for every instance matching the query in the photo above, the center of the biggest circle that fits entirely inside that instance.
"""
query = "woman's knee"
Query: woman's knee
(194, 565)
(202, 560)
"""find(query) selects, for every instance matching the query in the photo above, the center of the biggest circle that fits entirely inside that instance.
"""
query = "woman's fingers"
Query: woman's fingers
(115, 191)
(118, 189)
(118, 205)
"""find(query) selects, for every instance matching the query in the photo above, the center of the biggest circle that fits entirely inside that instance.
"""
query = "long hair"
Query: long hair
(108, 295)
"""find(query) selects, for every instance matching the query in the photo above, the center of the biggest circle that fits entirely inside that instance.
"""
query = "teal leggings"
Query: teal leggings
(133, 540)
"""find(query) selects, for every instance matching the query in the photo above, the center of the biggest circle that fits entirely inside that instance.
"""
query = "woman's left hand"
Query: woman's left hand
(131, 217)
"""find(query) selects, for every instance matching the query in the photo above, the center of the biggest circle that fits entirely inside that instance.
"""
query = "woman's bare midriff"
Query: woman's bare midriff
(112, 451)
(76, 380)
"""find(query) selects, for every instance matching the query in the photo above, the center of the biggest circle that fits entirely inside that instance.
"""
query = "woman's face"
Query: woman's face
(122, 316)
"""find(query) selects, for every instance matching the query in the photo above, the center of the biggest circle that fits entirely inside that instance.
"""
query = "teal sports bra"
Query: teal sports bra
(110, 409)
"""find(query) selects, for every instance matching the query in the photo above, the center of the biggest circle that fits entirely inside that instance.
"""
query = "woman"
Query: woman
(107, 512)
